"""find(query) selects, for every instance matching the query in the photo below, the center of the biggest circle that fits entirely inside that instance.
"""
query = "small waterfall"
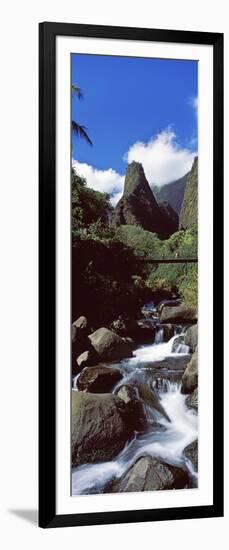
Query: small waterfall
(178, 345)
(178, 329)
(159, 336)
(161, 385)
(183, 348)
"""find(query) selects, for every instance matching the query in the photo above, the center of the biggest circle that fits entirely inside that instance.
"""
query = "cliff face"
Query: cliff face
(172, 192)
(138, 205)
(169, 218)
(189, 210)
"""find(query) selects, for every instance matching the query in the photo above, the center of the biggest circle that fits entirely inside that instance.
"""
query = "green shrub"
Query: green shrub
(189, 287)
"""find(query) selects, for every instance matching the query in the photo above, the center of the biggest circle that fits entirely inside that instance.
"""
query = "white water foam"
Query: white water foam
(167, 444)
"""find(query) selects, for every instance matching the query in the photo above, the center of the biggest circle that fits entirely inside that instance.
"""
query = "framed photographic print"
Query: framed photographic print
(131, 275)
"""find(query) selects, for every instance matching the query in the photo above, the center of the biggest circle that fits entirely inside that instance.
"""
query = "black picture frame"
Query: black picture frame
(47, 274)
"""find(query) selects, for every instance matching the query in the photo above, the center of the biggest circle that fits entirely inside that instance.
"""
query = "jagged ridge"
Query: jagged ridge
(138, 205)
(189, 210)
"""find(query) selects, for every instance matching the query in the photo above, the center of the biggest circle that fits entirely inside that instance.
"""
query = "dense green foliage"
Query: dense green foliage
(165, 277)
(108, 280)
(105, 274)
(180, 244)
(90, 208)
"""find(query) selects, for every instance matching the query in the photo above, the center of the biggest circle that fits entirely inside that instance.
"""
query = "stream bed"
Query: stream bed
(160, 368)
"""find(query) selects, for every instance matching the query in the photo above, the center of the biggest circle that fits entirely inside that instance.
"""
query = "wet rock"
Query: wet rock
(127, 393)
(99, 379)
(169, 364)
(81, 322)
(191, 452)
(191, 337)
(168, 303)
(87, 359)
(109, 346)
(192, 400)
(150, 474)
(178, 314)
(101, 425)
(190, 376)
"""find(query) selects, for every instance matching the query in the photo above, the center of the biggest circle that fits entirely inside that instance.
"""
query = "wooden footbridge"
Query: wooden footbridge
(175, 260)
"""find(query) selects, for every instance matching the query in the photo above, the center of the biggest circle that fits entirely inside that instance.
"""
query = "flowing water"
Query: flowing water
(162, 439)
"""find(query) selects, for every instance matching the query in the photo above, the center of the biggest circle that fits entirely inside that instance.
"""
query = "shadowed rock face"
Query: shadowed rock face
(138, 205)
(172, 192)
(189, 210)
(170, 218)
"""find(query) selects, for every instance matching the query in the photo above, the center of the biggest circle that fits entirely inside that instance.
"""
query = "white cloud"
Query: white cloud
(194, 103)
(162, 158)
(106, 181)
(116, 197)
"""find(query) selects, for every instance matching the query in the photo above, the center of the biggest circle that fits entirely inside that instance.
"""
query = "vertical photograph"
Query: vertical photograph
(134, 274)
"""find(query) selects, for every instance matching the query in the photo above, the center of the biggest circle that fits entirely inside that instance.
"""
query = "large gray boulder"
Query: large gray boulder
(99, 379)
(191, 452)
(191, 337)
(110, 346)
(189, 380)
(150, 474)
(178, 314)
(101, 425)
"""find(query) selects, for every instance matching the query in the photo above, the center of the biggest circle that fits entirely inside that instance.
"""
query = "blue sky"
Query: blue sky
(135, 109)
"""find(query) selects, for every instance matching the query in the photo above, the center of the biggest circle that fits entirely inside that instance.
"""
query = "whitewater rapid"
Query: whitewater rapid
(166, 442)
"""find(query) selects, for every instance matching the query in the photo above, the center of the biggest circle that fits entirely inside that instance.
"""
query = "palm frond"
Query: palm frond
(77, 91)
(80, 131)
